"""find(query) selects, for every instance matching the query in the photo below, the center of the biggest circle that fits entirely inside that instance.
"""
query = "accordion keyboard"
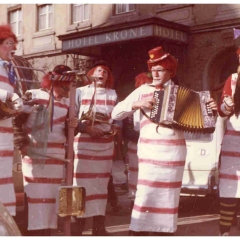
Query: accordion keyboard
(156, 111)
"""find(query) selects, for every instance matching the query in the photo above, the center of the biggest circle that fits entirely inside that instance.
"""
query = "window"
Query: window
(80, 12)
(123, 8)
(45, 17)
(15, 20)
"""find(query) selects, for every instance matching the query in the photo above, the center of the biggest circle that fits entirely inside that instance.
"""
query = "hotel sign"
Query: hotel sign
(125, 35)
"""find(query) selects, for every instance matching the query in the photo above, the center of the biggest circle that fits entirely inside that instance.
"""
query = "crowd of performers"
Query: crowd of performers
(156, 158)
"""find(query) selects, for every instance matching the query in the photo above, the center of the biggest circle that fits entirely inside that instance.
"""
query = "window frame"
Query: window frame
(78, 25)
(48, 27)
(83, 13)
(16, 8)
(127, 12)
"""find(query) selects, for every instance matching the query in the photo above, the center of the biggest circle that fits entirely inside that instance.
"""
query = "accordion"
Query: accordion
(183, 109)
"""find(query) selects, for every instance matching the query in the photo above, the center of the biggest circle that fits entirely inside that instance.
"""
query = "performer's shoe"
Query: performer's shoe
(100, 232)
(133, 233)
(163, 233)
(40, 232)
(78, 226)
(98, 228)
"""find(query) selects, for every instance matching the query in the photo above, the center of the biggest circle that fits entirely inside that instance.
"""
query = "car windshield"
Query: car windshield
(198, 137)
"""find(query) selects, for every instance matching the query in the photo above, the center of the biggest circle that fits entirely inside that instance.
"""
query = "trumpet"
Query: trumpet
(73, 76)
(24, 71)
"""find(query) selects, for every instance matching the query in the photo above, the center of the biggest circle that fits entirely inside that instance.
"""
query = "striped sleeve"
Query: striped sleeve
(124, 108)
(226, 91)
(3, 95)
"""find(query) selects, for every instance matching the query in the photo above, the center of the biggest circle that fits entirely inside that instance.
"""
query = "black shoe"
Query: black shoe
(78, 226)
(100, 232)
(40, 232)
(133, 233)
(163, 234)
(98, 228)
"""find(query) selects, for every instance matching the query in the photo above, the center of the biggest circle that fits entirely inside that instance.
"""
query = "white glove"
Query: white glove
(228, 103)
(228, 100)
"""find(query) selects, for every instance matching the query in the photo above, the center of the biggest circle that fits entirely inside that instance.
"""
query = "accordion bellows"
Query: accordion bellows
(184, 109)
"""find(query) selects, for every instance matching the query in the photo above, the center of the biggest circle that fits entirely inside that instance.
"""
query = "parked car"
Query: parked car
(202, 163)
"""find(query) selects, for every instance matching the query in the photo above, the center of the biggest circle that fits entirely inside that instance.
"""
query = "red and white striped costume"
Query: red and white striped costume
(131, 155)
(93, 156)
(133, 169)
(161, 164)
(229, 177)
(7, 193)
(41, 183)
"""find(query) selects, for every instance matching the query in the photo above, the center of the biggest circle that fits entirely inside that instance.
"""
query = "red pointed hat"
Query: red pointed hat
(156, 55)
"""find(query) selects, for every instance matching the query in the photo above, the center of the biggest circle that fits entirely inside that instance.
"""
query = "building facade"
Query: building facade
(199, 35)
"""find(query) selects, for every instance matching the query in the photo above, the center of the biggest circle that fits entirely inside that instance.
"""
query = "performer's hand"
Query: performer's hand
(22, 144)
(24, 151)
(73, 123)
(94, 132)
(147, 103)
(211, 103)
(228, 102)
(115, 129)
(14, 103)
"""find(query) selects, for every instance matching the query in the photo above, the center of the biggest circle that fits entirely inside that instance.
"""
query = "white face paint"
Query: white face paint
(6, 49)
(160, 75)
(101, 76)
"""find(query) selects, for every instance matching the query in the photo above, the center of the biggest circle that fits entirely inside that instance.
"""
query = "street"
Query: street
(198, 216)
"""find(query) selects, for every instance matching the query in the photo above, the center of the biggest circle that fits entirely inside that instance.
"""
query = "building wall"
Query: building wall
(210, 48)
(197, 14)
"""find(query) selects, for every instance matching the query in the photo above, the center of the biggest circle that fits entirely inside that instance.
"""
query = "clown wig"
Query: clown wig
(110, 80)
(170, 63)
(6, 32)
(143, 78)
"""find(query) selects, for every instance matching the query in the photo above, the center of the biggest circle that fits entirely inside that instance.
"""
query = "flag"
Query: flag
(236, 33)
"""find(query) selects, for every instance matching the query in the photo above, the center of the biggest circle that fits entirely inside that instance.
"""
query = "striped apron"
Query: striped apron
(41, 181)
(133, 169)
(229, 177)
(93, 156)
(7, 193)
(161, 158)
